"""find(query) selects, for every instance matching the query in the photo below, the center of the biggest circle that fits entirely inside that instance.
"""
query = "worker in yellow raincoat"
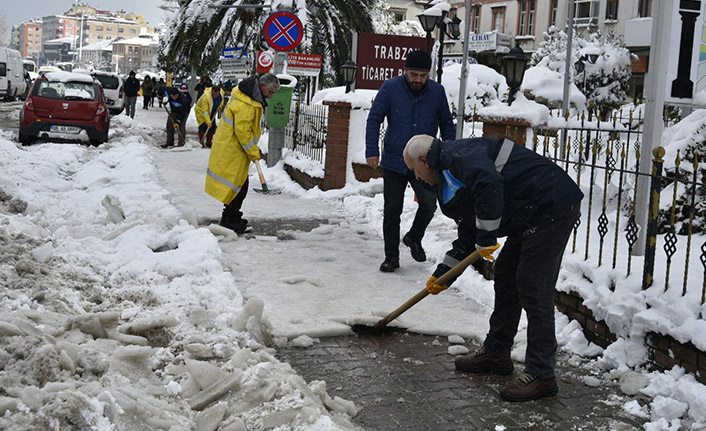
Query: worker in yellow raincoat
(208, 105)
(235, 146)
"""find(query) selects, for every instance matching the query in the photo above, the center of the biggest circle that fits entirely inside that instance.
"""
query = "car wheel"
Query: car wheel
(96, 142)
(26, 139)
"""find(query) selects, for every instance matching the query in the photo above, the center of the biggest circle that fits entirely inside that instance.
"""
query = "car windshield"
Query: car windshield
(66, 90)
(108, 82)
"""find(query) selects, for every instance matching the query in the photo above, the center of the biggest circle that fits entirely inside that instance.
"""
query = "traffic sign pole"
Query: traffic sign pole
(283, 32)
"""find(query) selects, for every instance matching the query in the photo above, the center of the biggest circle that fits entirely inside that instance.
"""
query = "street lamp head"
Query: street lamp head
(454, 28)
(515, 63)
(428, 21)
(592, 58)
(348, 68)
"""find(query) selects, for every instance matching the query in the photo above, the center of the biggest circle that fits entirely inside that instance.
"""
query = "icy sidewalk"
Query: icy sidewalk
(316, 281)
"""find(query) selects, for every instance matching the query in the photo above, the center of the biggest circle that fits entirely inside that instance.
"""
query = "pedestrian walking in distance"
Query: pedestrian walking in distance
(413, 104)
(147, 89)
(131, 88)
(235, 146)
(494, 188)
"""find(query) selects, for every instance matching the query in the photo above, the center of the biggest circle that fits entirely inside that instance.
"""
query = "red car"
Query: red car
(65, 106)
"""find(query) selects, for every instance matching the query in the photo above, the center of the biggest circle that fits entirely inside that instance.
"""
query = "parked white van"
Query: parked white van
(12, 79)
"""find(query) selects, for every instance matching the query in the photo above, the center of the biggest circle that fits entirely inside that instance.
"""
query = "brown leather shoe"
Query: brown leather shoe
(529, 387)
(484, 361)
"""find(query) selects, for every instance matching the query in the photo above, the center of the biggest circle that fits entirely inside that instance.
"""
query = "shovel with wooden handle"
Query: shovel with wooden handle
(265, 190)
(444, 279)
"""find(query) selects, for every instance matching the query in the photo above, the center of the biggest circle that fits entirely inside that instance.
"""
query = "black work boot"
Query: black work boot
(529, 387)
(390, 264)
(484, 361)
(415, 248)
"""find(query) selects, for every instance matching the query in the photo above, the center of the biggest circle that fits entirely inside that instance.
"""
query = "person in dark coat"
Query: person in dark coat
(131, 87)
(147, 90)
(184, 89)
(202, 85)
(161, 91)
(413, 105)
(494, 188)
(179, 111)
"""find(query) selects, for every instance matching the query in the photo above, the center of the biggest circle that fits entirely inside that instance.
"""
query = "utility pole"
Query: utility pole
(460, 114)
(655, 90)
(565, 103)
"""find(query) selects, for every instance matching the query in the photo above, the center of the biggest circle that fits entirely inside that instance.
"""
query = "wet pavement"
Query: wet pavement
(407, 381)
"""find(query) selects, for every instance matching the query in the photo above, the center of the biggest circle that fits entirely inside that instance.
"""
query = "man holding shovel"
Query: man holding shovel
(176, 116)
(494, 188)
(235, 146)
(206, 109)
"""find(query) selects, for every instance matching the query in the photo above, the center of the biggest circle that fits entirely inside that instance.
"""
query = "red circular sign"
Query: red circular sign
(265, 59)
(283, 31)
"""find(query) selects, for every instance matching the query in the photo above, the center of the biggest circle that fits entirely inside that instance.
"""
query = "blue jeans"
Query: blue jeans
(394, 185)
(526, 272)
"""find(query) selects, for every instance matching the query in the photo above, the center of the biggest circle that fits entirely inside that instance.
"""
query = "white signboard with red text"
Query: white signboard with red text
(303, 64)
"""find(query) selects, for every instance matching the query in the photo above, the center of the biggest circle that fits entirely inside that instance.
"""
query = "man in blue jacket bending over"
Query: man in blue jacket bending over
(494, 188)
(413, 105)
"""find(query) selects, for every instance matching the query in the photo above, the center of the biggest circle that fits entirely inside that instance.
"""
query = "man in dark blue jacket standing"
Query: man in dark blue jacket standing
(494, 188)
(413, 105)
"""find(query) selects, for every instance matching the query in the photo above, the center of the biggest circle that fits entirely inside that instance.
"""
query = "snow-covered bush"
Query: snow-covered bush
(605, 82)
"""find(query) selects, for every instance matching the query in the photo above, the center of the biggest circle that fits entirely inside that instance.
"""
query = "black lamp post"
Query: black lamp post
(581, 66)
(348, 70)
(515, 63)
(428, 24)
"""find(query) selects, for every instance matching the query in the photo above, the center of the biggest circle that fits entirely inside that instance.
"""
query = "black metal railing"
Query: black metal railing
(604, 158)
(306, 131)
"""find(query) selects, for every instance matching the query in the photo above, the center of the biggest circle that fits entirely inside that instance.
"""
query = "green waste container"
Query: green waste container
(277, 111)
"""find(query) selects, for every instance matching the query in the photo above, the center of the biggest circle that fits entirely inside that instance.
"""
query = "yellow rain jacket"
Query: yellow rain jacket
(204, 106)
(235, 144)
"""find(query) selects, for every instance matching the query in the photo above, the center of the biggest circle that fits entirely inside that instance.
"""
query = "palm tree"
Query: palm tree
(198, 33)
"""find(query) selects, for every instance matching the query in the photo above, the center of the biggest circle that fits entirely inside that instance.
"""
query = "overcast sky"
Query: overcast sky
(17, 11)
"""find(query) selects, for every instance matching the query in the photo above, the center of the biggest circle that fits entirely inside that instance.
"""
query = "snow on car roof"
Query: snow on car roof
(68, 76)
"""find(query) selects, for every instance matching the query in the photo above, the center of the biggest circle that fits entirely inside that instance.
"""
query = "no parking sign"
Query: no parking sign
(283, 31)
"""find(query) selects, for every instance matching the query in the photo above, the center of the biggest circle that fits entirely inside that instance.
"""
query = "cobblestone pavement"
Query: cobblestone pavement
(406, 381)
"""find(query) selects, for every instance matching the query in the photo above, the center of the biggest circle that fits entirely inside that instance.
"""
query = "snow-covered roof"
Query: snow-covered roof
(68, 77)
(97, 46)
(143, 41)
(67, 39)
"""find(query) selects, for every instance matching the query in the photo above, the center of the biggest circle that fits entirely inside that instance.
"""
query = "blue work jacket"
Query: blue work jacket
(494, 188)
(408, 114)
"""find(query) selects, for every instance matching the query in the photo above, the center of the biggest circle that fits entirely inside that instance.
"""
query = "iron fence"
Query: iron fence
(307, 129)
(604, 157)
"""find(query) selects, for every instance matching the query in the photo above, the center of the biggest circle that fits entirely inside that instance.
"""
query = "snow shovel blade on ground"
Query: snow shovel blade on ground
(265, 190)
(444, 279)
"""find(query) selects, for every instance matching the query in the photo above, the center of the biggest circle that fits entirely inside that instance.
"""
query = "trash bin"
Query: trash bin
(277, 111)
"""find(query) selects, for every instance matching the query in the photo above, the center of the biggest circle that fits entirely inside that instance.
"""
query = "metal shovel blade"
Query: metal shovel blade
(381, 326)
(268, 191)
(265, 190)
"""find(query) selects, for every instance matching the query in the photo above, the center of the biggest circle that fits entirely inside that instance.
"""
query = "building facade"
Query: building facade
(99, 29)
(58, 26)
(137, 53)
(27, 38)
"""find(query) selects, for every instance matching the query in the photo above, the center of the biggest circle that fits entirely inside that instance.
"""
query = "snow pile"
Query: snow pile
(117, 315)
